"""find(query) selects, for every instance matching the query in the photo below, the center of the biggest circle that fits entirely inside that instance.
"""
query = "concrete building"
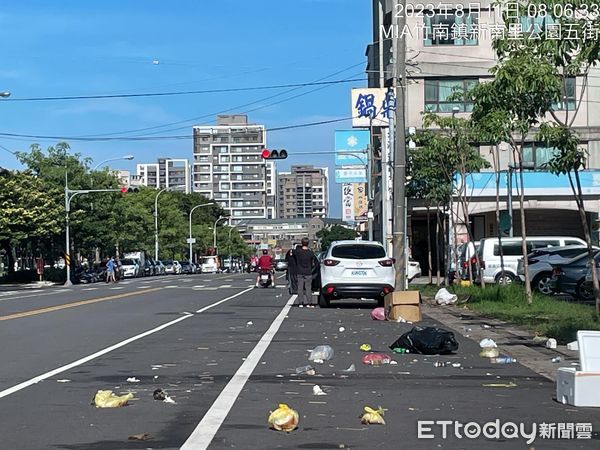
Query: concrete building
(303, 192)
(282, 234)
(166, 172)
(229, 169)
(441, 61)
(126, 178)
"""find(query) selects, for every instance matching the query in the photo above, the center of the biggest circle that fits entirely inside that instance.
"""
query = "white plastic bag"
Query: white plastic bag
(443, 297)
(487, 342)
(321, 353)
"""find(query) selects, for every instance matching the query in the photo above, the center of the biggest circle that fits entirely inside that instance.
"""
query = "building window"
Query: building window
(451, 27)
(538, 155)
(437, 93)
(568, 99)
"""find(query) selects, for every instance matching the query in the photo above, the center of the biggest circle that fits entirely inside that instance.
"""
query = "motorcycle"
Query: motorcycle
(265, 278)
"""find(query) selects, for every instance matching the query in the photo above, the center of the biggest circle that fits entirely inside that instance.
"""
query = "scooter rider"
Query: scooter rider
(265, 264)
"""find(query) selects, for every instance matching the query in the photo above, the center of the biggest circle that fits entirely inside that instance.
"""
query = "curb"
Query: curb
(511, 340)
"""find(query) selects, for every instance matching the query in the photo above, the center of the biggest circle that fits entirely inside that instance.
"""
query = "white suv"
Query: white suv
(355, 269)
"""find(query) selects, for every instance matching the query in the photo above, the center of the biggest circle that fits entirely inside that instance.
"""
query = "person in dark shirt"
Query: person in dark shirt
(292, 276)
(305, 261)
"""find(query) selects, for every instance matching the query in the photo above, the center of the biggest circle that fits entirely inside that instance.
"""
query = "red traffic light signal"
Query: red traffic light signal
(125, 189)
(274, 154)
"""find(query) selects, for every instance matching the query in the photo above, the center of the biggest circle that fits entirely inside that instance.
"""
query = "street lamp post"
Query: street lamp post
(4, 94)
(215, 232)
(126, 157)
(229, 244)
(156, 219)
(190, 239)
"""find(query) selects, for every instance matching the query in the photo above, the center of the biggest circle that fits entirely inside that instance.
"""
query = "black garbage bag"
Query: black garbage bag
(427, 341)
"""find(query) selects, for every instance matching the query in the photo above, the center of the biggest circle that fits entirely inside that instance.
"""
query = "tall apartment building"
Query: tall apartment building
(166, 173)
(303, 192)
(229, 169)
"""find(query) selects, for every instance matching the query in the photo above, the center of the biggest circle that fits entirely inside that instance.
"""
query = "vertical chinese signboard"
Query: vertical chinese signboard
(347, 202)
(361, 203)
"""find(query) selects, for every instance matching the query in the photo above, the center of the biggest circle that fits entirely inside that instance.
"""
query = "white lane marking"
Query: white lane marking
(225, 286)
(200, 286)
(90, 289)
(79, 362)
(205, 431)
(116, 288)
(41, 294)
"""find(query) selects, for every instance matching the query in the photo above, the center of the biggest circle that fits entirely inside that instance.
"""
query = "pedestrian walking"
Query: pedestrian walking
(305, 261)
(110, 270)
(292, 275)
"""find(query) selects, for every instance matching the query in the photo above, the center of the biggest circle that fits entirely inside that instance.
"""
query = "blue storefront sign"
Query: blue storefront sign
(351, 175)
(351, 147)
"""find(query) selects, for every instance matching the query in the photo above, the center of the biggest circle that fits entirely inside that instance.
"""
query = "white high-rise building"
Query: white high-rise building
(166, 173)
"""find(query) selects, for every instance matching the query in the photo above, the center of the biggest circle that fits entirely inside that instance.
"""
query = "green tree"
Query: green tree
(335, 233)
(27, 211)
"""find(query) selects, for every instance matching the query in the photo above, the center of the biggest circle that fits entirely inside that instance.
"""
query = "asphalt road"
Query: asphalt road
(201, 338)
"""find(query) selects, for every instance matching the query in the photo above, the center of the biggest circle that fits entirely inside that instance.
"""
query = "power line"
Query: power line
(173, 93)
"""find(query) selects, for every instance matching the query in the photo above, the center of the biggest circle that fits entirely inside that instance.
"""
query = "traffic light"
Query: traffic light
(274, 154)
(130, 189)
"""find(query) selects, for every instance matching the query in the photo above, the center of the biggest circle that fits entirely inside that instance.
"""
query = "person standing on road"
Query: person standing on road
(292, 275)
(305, 261)
(110, 270)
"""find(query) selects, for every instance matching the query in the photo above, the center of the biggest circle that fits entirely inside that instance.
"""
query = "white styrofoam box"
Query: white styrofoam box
(577, 388)
(589, 350)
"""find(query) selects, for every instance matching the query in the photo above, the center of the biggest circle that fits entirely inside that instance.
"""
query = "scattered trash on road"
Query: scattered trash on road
(249, 323)
(487, 342)
(321, 353)
(352, 368)
(169, 400)
(486, 326)
(400, 350)
(443, 297)
(489, 352)
(63, 381)
(556, 359)
(372, 416)
(504, 385)
(132, 380)
(305, 370)
(140, 437)
(376, 359)
(551, 343)
(393, 363)
(365, 348)
(427, 341)
(159, 394)
(341, 329)
(503, 360)
(573, 346)
(107, 399)
(317, 390)
(540, 339)
(283, 418)
(456, 365)
(378, 313)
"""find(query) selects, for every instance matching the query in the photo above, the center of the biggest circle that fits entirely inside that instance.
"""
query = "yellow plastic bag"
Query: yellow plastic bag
(373, 416)
(283, 418)
(106, 399)
(365, 348)
(489, 352)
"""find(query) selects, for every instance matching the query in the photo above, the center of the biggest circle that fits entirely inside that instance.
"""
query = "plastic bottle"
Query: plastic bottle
(303, 369)
(503, 360)
(556, 359)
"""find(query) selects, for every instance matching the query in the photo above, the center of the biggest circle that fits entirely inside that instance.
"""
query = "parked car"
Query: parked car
(159, 267)
(569, 277)
(540, 268)
(356, 269)
(210, 264)
(130, 268)
(148, 268)
(172, 267)
(489, 254)
(281, 265)
(186, 267)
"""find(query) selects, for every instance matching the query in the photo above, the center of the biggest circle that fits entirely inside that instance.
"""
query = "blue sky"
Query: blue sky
(82, 47)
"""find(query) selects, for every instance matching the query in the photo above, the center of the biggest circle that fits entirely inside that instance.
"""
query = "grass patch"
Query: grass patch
(546, 316)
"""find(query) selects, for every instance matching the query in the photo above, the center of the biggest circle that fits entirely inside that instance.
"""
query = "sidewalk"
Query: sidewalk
(511, 340)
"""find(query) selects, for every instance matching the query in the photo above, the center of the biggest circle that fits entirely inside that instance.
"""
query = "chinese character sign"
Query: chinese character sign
(347, 202)
(351, 147)
(351, 175)
(361, 203)
(372, 107)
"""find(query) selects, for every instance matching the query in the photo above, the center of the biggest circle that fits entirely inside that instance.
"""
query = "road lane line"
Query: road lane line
(35, 312)
(205, 431)
(79, 362)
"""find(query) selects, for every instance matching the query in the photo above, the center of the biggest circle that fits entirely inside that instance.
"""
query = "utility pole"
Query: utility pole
(399, 230)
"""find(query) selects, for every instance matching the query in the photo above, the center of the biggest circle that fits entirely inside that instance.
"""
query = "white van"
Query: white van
(512, 250)
(210, 264)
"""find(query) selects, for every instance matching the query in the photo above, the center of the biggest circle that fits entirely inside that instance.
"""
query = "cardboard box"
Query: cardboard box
(410, 313)
(402, 298)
